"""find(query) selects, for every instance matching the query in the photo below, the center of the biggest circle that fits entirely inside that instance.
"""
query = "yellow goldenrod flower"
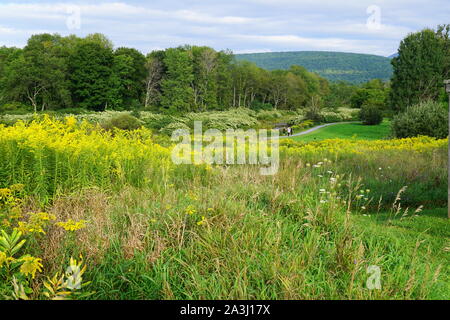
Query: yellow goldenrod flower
(71, 121)
(190, 210)
(4, 193)
(27, 228)
(71, 225)
(201, 222)
(31, 265)
(3, 258)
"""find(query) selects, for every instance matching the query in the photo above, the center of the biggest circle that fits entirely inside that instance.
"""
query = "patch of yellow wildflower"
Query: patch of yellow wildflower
(30, 266)
(71, 225)
(3, 258)
(10, 205)
(64, 149)
(21, 267)
(202, 221)
(37, 222)
(190, 210)
(338, 146)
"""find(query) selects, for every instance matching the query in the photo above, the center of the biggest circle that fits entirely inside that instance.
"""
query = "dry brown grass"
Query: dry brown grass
(94, 240)
(134, 225)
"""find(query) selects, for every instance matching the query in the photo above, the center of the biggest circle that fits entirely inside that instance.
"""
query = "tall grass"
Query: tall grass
(159, 231)
(52, 156)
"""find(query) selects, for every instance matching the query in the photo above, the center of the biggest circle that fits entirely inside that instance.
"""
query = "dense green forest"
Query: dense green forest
(59, 73)
(334, 66)
(53, 72)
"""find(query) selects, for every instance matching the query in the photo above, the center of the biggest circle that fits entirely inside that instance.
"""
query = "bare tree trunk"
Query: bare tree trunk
(154, 75)
(33, 97)
(245, 98)
(33, 103)
(147, 95)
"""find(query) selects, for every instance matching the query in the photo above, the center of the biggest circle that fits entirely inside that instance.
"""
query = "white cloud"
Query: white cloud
(241, 25)
(5, 31)
(253, 51)
(293, 42)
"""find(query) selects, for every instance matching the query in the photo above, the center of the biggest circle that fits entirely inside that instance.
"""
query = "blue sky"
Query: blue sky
(362, 26)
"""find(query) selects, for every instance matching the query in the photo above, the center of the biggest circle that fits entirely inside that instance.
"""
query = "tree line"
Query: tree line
(53, 72)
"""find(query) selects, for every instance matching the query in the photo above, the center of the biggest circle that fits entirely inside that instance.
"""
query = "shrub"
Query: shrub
(171, 127)
(75, 111)
(156, 121)
(314, 116)
(256, 105)
(330, 117)
(123, 122)
(136, 113)
(268, 115)
(223, 120)
(15, 108)
(303, 125)
(371, 114)
(297, 120)
(427, 118)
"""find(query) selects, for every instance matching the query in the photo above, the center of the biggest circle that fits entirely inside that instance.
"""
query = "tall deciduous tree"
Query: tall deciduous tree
(39, 74)
(204, 84)
(224, 80)
(121, 83)
(7, 56)
(91, 68)
(178, 95)
(154, 67)
(419, 69)
(56, 72)
(134, 77)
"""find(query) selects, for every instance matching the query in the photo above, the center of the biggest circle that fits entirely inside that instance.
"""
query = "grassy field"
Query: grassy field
(422, 233)
(145, 228)
(348, 131)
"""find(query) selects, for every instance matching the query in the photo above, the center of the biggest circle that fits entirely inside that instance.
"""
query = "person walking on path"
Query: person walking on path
(289, 131)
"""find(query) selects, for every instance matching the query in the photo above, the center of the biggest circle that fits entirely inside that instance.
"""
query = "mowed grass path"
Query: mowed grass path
(348, 131)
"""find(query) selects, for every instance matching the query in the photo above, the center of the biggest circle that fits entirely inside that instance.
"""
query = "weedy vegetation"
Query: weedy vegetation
(111, 205)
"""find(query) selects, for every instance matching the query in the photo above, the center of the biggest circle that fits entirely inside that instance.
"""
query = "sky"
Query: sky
(244, 26)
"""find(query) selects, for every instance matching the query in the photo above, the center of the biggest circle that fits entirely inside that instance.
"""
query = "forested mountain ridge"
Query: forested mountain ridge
(334, 66)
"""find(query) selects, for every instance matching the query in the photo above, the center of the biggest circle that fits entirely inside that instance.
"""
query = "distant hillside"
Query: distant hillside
(334, 66)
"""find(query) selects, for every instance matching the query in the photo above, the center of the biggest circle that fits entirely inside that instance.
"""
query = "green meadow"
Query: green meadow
(338, 213)
(348, 131)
